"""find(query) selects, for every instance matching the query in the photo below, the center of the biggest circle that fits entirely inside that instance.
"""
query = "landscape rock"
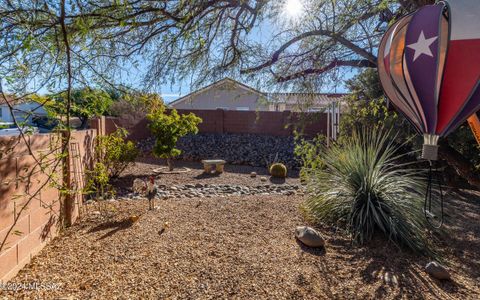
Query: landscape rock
(437, 271)
(263, 179)
(390, 278)
(209, 190)
(309, 236)
(253, 174)
(239, 149)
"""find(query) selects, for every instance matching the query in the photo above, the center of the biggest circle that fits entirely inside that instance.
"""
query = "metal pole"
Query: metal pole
(338, 118)
(328, 125)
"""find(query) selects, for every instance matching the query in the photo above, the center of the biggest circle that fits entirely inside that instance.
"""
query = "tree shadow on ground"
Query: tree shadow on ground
(398, 273)
(462, 230)
(276, 180)
(114, 226)
(207, 175)
(394, 273)
(407, 276)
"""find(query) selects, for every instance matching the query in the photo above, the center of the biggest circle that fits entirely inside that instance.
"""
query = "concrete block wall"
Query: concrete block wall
(29, 201)
(229, 121)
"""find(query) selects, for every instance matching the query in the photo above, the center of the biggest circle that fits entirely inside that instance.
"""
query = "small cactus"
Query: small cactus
(278, 170)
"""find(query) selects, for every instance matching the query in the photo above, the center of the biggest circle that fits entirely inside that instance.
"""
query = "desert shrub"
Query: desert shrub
(98, 183)
(131, 107)
(368, 108)
(309, 154)
(278, 170)
(115, 152)
(361, 187)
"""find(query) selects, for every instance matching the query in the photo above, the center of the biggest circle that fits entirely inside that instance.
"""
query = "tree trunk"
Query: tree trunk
(84, 123)
(460, 164)
(170, 164)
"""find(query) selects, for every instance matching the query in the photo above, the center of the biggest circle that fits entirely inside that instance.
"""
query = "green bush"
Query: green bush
(167, 128)
(361, 187)
(368, 108)
(278, 170)
(115, 152)
(98, 184)
(464, 142)
(308, 151)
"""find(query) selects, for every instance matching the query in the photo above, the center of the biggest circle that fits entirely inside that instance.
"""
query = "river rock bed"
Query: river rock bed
(218, 190)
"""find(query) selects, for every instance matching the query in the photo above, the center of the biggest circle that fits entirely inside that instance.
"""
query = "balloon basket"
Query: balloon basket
(430, 152)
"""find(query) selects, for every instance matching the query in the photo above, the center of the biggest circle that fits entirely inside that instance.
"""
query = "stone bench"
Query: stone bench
(210, 164)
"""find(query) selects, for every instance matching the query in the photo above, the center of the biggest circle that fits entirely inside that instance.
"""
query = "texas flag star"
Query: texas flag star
(422, 46)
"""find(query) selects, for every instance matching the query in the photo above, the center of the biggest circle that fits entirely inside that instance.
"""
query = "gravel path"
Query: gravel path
(235, 248)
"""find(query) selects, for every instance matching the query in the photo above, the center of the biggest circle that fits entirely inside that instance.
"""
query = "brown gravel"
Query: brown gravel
(238, 247)
(242, 248)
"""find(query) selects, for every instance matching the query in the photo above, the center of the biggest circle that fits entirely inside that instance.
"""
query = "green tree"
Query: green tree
(167, 128)
(368, 107)
(86, 103)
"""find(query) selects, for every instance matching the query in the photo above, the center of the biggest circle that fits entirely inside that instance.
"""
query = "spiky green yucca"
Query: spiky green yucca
(362, 187)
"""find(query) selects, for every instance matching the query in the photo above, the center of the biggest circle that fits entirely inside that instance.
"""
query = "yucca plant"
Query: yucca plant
(362, 187)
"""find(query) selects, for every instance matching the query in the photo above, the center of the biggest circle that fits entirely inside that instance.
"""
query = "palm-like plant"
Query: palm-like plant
(363, 187)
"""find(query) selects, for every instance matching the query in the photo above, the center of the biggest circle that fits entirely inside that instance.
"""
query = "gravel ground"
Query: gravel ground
(234, 174)
(240, 247)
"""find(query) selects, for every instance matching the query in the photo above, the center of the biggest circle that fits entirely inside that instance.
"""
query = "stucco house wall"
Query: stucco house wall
(228, 94)
(5, 114)
(225, 94)
(21, 111)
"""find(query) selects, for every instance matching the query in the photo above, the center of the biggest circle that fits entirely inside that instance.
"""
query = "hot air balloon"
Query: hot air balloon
(429, 67)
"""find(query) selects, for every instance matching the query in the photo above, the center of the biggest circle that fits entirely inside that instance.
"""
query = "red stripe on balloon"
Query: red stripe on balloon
(462, 72)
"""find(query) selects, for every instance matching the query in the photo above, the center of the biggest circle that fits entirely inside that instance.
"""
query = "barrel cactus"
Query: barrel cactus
(278, 170)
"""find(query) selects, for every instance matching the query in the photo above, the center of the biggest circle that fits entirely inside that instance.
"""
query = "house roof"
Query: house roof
(315, 98)
(215, 84)
(11, 99)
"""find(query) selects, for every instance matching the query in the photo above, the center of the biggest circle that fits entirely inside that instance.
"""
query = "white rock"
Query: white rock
(309, 236)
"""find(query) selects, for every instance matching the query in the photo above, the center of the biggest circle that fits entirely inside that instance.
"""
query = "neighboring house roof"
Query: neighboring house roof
(10, 99)
(314, 99)
(216, 84)
(309, 99)
(16, 101)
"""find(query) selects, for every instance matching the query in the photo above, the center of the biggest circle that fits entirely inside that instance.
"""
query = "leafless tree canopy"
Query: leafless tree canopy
(94, 40)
